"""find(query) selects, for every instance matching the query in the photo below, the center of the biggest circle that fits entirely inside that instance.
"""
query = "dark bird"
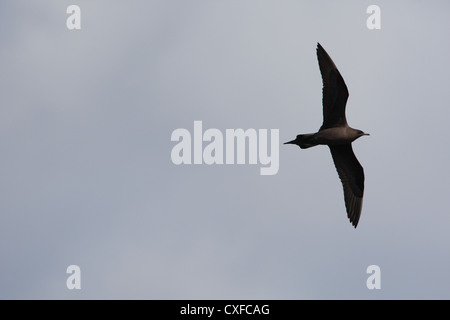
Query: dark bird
(337, 135)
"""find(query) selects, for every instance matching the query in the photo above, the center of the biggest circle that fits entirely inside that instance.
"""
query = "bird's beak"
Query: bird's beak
(290, 142)
(366, 134)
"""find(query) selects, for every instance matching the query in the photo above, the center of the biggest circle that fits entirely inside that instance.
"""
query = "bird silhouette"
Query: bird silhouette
(336, 133)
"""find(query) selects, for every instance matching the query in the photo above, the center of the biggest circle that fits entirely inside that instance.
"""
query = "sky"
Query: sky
(86, 118)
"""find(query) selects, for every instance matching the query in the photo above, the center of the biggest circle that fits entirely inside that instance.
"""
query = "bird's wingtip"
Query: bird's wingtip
(354, 220)
(320, 50)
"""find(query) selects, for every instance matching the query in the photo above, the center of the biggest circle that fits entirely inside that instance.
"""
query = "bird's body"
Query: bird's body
(332, 136)
(338, 135)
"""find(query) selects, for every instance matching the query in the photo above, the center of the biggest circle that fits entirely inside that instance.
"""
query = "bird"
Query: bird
(337, 135)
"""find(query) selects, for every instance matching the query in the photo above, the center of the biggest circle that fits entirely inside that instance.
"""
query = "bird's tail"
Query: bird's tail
(306, 140)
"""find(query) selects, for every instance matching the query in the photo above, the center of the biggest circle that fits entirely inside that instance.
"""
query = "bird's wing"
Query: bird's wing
(351, 174)
(335, 92)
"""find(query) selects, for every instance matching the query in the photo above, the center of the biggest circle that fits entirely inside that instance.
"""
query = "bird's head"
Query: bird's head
(361, 133)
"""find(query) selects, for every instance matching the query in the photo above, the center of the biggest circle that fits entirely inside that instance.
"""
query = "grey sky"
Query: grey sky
(86, 176)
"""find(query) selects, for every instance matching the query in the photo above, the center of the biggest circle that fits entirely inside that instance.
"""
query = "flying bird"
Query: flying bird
(337, 135)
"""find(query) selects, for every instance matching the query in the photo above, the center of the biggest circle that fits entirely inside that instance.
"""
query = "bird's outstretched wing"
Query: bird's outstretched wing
(351, 174)
(334, 91)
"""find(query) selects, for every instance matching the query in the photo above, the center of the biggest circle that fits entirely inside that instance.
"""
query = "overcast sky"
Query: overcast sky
(86, 118)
